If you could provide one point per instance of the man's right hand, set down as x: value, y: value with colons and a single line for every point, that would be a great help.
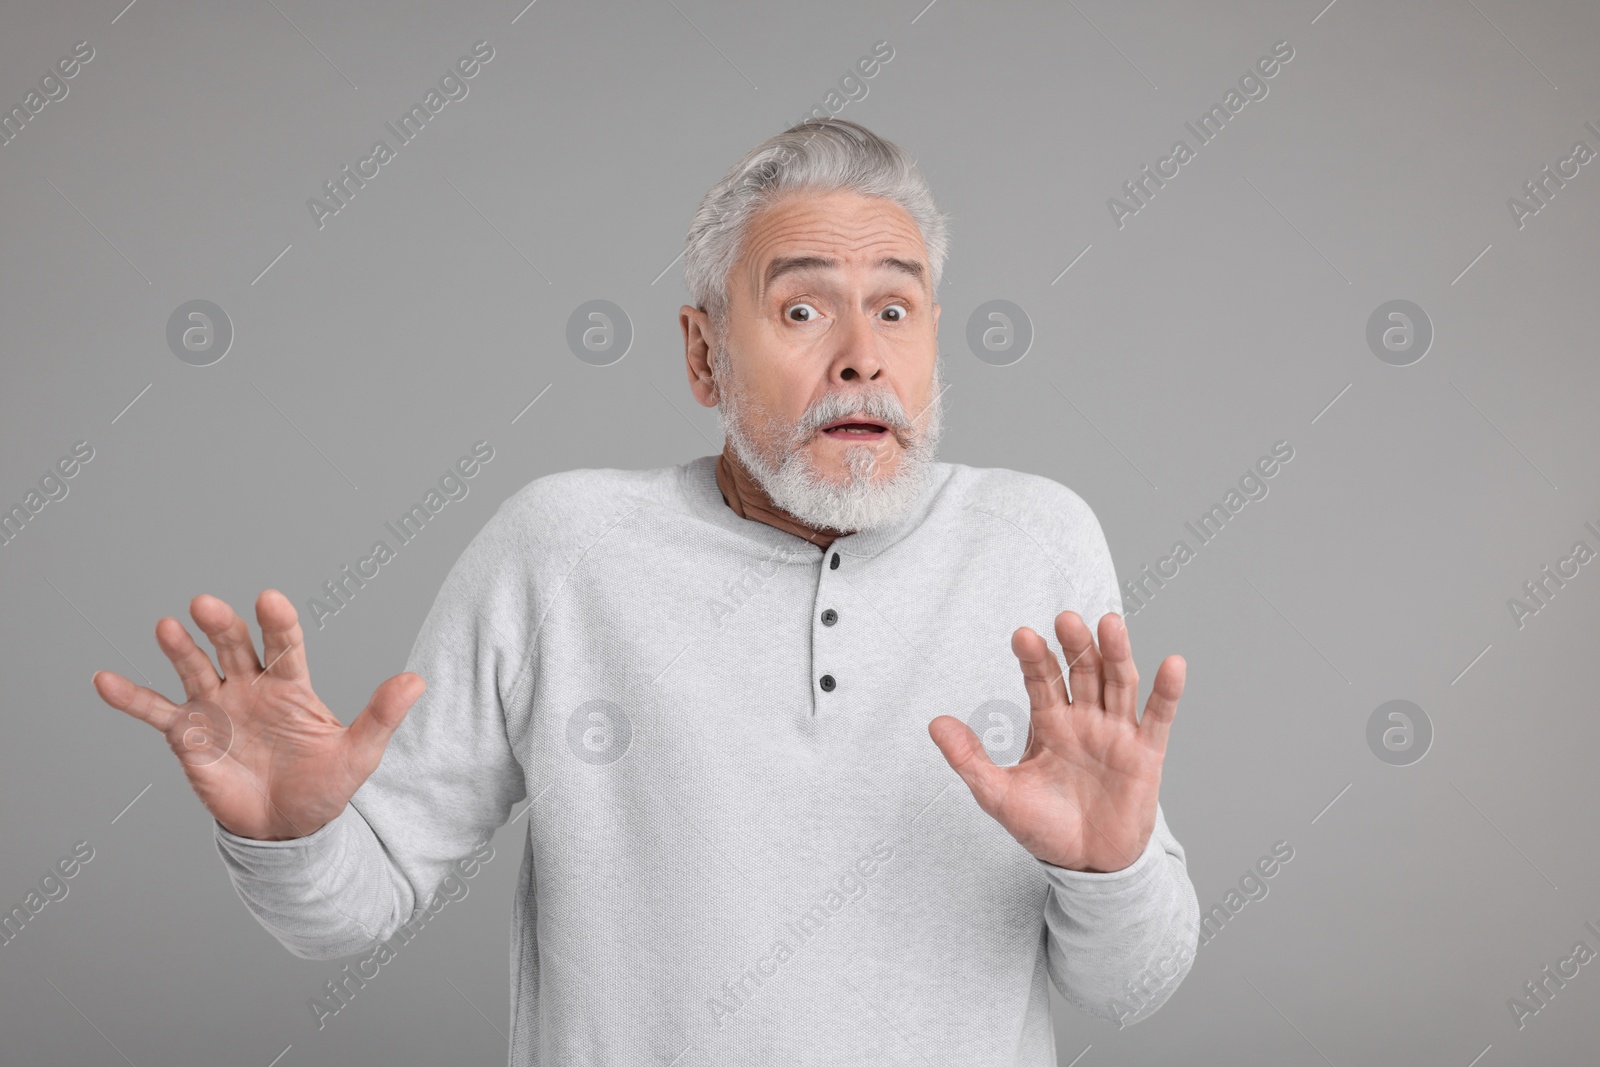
x: 265, y: 756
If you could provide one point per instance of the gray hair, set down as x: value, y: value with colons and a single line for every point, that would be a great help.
x: 822, y: 154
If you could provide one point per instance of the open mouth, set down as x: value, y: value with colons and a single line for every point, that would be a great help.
x: 855, y: 430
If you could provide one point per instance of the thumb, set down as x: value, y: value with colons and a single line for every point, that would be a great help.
x: 369, y: 735
x: 967, y: 757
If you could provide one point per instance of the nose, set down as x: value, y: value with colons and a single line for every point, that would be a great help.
x: 855, y: 358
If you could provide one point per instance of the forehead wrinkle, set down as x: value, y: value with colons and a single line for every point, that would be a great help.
x: 811, y: 235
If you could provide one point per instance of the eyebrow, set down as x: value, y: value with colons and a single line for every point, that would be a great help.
x: 794, y: 264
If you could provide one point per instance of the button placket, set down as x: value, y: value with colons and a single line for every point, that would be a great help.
x: 826, y: 681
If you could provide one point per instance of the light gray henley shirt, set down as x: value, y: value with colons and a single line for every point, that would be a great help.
x: 742, y: 845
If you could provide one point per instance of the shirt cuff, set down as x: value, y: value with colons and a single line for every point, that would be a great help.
x: 321, y: 836
x: 1094, y: 882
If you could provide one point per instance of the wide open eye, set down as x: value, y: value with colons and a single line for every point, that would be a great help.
x: 810, y: 315
x: 901, y: 312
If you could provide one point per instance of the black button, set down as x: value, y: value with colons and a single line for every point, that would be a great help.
x: 827, y: 683
x: 834, y: 564
x: 830, y: 617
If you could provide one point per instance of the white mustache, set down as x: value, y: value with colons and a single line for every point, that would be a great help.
x: 884, y: 408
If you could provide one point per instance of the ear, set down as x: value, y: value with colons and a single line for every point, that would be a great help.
x: 696, y: 326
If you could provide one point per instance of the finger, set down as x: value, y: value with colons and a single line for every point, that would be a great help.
x: 230, y: 635
x: 143, y: 704
x: 200, y: 678
x: 282, y: 641
x: 369, y: 734
x: 966, y: 756
x: 1083, y: 659
x: 1162, y: 706
x: 1041, y: 671
x: 1120, y: 680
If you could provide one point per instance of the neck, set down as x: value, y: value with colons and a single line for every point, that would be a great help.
x: 749, y: 501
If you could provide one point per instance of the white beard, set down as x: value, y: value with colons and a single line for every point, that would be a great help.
x: 789, y: 477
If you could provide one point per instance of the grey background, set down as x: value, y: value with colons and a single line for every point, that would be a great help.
x: 1230, y: 313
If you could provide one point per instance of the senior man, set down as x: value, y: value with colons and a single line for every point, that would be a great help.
x: 714, y: 683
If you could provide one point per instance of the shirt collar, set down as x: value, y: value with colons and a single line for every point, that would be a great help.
x: 705, y: 497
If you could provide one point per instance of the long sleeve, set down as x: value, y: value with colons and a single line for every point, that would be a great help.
x: 1119, y: 943
x: 447, y: 780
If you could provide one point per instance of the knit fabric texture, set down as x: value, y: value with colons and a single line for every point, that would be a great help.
x: 742, y: 847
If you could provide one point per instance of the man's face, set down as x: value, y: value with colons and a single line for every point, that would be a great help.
x: 827, y: 369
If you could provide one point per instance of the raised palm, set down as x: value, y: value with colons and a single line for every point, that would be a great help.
x: 263, y: 753
x: 1083, y: 795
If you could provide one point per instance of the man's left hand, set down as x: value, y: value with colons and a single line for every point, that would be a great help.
x: 1083, y: 795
